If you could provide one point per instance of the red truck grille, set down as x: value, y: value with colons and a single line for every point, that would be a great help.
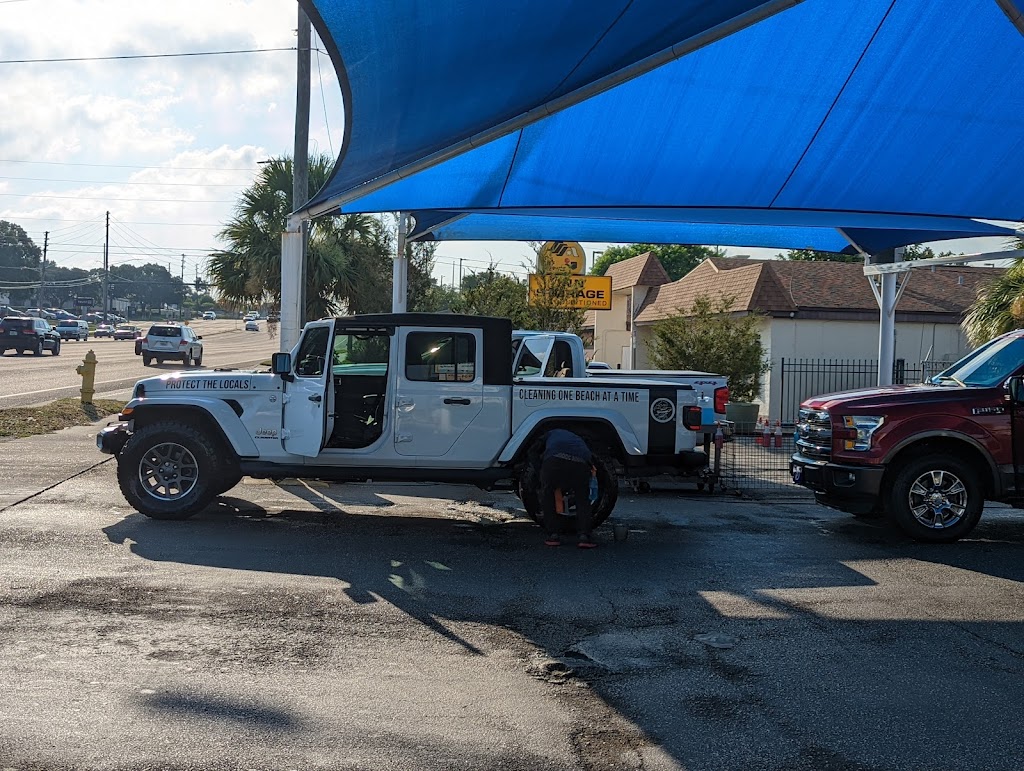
x: 814, y: 434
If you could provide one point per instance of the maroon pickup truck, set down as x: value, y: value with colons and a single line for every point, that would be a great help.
x: 928, y: 455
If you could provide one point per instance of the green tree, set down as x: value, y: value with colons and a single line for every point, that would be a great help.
x: 677, y: 259
x: 345, y: 257
x: 708, y: 337
x: 911, y: 252
x: 19, y: 263
x: 491, y: 293
x: 1000, y: 304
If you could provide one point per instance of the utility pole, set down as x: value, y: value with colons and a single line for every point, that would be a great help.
x: 460, y: 274
x: 42, y: 271
x: 181, y: 305
x: 300, y: 157
x: 106, y: 271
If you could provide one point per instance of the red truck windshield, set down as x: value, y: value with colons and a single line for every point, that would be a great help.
x: 988, y: 366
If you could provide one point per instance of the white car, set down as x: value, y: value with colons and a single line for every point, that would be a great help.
x: 172, y: 341
x: 592, y: 365
x: 209, y: 316
x: 252, y: 326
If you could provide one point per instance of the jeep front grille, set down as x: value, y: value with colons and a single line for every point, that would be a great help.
x: 814, y: 434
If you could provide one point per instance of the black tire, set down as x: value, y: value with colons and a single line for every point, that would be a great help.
x: 198, y: 361
x: 38, y: 350
x: 186, y: 452
x: 956, y: 489
x: 607, y: 487
x: 186, y: 360
x: 55, y: 351
x: 146, y: 359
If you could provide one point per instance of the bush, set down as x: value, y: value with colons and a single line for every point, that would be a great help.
x: 709, y: 338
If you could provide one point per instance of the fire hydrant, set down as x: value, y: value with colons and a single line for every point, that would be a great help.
x: 87, y: 369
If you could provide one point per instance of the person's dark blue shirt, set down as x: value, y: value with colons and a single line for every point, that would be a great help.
x: 562, y: 442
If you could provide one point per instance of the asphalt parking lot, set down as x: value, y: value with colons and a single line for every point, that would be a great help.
x: 307, y: 626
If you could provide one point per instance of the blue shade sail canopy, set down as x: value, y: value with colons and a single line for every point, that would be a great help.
x: 851, y: 110
x: 423, y: 78
x: 791, y: 230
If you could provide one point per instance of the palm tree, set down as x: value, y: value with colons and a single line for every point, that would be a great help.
x: 344, y: 262
x: 1000, y: 304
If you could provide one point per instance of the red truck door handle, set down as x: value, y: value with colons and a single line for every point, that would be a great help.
x: 458, y: 400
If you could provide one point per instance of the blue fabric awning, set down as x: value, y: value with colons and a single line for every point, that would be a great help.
x: 820, y: 231
x: 852, y: 110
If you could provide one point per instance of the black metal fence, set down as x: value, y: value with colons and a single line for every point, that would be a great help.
x: 800, y: 379
x: 757, y: 464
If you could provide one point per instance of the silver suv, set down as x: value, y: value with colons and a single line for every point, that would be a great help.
x: 172, y: 341
x: 73, y: 329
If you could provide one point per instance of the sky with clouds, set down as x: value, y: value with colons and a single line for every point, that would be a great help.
x: 165, y: 145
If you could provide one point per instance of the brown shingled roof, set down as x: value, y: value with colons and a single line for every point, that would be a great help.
x: 643, y: 270
x: 783, y: 286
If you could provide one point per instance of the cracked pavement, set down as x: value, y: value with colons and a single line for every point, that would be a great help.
x: 313, y: 626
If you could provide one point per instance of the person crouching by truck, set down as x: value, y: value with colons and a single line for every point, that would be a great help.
x: 566, y: 465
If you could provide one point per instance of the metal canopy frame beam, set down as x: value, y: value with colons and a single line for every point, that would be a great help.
x: 902, y: 267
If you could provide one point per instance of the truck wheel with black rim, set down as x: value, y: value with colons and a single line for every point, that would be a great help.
x: 936, y: 498
x: 38, y: 350
x: 168, y: 470
x: 146, y: 359
x: 55, y: 351
x: 529, y: 491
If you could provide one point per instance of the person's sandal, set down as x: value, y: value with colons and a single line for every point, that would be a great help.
x: 552, y: 541
x: 586, y: 542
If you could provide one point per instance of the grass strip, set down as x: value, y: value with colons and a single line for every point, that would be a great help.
x: 19, y: 422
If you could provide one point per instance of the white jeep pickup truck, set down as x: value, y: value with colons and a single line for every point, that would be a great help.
x: 413, y: 396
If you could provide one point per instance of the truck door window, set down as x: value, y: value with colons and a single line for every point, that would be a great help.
x: 560, y: 362
x: 312, y: 356
x: 531, y: 359
x: 437, y: 357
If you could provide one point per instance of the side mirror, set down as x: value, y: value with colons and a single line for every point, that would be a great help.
x: 281, y: 364
x: 199, y: 337
x: 1015, y: 385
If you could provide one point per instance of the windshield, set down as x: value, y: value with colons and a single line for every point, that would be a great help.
x: 988, y: 366
x: 164, y: 332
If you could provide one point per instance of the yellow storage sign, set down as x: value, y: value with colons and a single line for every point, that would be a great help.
x: 566, y: 256
x: 592, y: 293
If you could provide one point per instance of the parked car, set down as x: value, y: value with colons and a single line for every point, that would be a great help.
x: 252, y: 326
x: 592, y: 365
x: 26, y: 333
x: 104, y: 330
x: 171, y: 341
x: 209, y: 315
x: 127, y: 332
x: 35, y: 312
x: 73, y: 329
x: 62, y: 315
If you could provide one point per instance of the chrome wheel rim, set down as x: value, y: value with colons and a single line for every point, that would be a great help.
x: 938, y: 499
x: 168, y: 471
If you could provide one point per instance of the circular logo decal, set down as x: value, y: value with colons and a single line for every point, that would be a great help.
x: 663, y: 410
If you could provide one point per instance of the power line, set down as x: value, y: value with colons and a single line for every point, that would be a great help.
x: 126, y: 166
x: 125, y: 57
x: 114, y: 182
x: 104, y: 198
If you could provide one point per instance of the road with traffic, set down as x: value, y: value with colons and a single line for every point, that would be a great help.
x: 27, y: 380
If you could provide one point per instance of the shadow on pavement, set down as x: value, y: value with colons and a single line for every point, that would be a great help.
x: 773, y: 637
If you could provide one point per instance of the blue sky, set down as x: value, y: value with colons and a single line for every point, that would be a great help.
x: 166, y: 144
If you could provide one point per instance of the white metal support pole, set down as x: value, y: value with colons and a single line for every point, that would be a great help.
x: 400, y: 269
x: 887, y: 323
x: 291, y: 283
